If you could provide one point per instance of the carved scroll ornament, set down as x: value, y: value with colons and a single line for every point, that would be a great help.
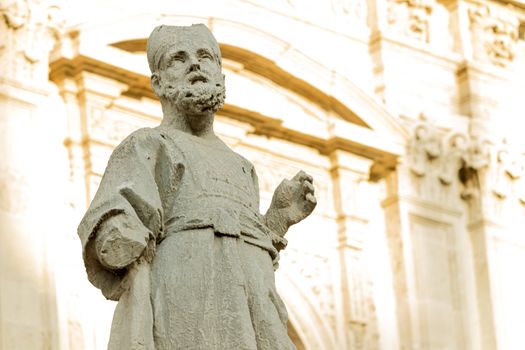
x: 494, y: 35
x: 411, y: 17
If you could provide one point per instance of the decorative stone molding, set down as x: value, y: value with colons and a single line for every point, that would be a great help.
x: 411, y: 18
x: 475, y: 157
x: 495, y: 169
x: 363, y: 323
x: 454, y: 145
x: 508, y: 168
x: 29, y: 29
x: 371, y: 337
x: 435, y: 152
x: 479, y: 166
x: 424, y: 147
x: 350, y: 8
x: 15, y: 13
x: 494, y: 34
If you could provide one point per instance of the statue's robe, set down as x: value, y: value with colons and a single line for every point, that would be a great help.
x: 211, y: 282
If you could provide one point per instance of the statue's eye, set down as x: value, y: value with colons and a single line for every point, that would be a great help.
x: 176, y: 59
x: 203, y: 55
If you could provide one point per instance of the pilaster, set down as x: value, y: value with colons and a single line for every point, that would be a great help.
x: 490, y: 81
x: 492, y: 177
x: 87, y: 98
x: 358, y: 327
x: 429, y: 245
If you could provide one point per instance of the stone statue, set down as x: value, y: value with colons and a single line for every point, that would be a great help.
x: 174, y: 232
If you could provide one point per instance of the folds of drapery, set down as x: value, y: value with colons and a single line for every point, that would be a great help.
x: 139, y: 184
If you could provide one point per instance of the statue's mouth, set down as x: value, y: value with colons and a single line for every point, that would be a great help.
x: 197, y: 78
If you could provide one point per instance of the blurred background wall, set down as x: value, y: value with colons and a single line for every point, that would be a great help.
x: 408, y: 113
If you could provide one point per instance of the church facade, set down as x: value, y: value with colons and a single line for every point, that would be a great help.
x: 408, y: 114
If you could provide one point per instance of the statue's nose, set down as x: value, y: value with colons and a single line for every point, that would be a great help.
x: 194, y: 66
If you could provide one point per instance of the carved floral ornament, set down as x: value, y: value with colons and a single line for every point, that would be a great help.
x: 508, y: 173
x: 494, y: 35
x: 14, y: 12
x: 33, y: 15
x: 29, y: 28
x: 480, y: 165
x: 429, y: 153
x: 411, y: 17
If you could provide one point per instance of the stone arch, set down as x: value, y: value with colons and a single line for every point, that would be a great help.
x: 265, y: 54
x: 309, y: 325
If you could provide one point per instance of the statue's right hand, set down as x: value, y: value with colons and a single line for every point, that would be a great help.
x: 120, y: 241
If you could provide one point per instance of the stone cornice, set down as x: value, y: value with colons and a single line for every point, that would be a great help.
x: 384, y: 148
x: 363, y: 141
x: 520, y: 4
x: 448, y: 59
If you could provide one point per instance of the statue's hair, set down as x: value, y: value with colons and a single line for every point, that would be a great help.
x: 164, y: 36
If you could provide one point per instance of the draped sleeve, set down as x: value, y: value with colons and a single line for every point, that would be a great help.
x: 139, y: 185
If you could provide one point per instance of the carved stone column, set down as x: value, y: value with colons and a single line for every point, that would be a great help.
x: 350, y: 181
x: 489, y: 87
x: 492, y: 175
x: 433, y: 281
x: 88, y: 97
x: 454, y: 216
x: 30, y: 145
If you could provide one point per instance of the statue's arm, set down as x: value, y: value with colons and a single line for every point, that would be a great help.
x: 125, y: 219
x: 293, y: 200
x: 120, y: 240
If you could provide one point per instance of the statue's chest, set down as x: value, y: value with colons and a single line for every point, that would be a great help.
x: 218, y: 171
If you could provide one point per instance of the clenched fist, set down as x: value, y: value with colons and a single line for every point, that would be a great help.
x: 292, y: 201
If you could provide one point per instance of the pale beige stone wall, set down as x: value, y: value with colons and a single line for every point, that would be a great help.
x: 406, y: 112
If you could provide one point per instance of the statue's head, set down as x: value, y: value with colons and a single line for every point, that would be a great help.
x: 185, y: 63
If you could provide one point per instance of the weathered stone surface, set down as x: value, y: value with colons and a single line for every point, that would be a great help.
x: 174, y: 232
x: 332, y: 87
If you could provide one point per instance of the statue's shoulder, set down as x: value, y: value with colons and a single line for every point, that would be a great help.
x: 142, y: 140
x: 144, y: 137
x: 245, y: 161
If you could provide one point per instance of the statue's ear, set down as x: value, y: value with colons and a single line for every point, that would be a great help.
x: 156, y: 84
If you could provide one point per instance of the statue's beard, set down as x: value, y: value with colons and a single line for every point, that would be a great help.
x: 200, y: 98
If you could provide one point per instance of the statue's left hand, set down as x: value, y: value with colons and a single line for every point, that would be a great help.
x: 292, y: 201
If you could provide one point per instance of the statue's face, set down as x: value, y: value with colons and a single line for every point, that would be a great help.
x: 190, y: 76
